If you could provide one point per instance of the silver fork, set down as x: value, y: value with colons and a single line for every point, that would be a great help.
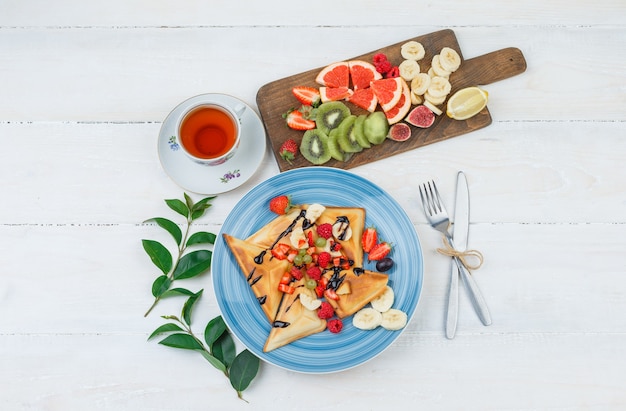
x: 438, y: 218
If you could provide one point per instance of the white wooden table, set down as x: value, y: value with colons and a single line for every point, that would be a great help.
x: 84, y: 88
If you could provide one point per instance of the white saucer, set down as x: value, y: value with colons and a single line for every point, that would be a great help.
x: 218, y: 179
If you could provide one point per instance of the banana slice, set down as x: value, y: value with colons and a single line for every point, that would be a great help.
x: 309, y: 302
x: 393, y: 319
x: 438, y: 68
x: 383, y: 302
x: 314, y: 211
x: 298, y: 239
x: 434, y: 100
x: 416, y: 99
x: 439, y: 87
x: 420, y: 84
x: 449, y: 59
x: 412, y: 50
x: 433, y: 107
x: 367, y: 319
x: 342, y: 231
x: 409, y: 69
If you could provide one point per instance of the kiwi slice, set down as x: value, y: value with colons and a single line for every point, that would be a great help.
x: 376, y: 127
x: 357, y: 130
x: 333, y: 145
x: 330, y: 114
x: 314, y: 146
x: 347, y: 140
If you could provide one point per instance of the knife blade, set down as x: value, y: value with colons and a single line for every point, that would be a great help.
x: 460, y: 232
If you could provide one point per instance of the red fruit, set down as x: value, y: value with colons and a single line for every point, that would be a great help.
x: 379, y: 251
x: 280, y: 204
x: 369, y: 239
x: 334, y: 93
x: 296, y: 273
x: 309, y: 96
x: 335, y: 325
x: 335, y: 75
x: 393, y: 72
x: 288, y: 150
x: 286, y: 278
x: 379, y: 57
x: 280, y: 251
x: 331, y: 294
x: 297, y: 121
x: 383, y: 66
x: 325, y: 230
x: 421, y: 116
x: 325, y: 311
x: 286, y: 288
x: 399, y: 132
x: 314, y: 273
x: 323, y: 259
x: 319, y: 290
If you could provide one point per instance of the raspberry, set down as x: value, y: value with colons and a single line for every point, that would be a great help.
x: 383, y: 67
x: 393, y: 72
x: 314, y: 273
x: 296, y: 273
x: 326, y: 311
x: 335, y: 325
x: 323, y: 259
x: 379, y: 58
x: 325, y: 230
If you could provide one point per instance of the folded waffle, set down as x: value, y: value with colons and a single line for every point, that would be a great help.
x: 293, y: 321
x: 262, y: 278
x: 352, y: 247
x: 267, y: 235
x: 359, y: 290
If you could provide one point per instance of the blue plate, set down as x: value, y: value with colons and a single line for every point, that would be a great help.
x: 323, y: 352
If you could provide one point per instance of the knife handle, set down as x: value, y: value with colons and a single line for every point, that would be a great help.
x: 479, y: 303
x: 452, y: 314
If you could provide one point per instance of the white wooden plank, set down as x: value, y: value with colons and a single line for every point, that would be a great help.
x: 140, y: 74
x: 325, y: 12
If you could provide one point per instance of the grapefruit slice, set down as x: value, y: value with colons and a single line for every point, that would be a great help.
x: 364, y: 98
x: 334, y: 93
x: 335, y: 75
x: 362, y: 74
x: 388, y: 91
x: 401, y: 109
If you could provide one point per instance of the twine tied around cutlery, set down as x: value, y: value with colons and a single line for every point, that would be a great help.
x: 461, y: 255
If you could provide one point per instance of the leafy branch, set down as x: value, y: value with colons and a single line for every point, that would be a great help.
x: 186, y: 265
x: 219, y: 350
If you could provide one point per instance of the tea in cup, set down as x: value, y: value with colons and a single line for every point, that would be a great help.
x: 209, y: 133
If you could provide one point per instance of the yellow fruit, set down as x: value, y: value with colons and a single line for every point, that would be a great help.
x: 466, y: 103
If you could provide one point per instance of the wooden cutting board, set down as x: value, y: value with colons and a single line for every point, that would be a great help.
x: 275, y: 98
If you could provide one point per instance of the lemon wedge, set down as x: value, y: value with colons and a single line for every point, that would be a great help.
x: 466, y: 103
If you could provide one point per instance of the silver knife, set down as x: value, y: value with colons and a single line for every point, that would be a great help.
x: 460, y: 231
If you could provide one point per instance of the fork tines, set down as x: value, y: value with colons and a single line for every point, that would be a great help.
x: 430, y: 198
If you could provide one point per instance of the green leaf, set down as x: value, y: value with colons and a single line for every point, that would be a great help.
x: 224, y: 349
x: 188, y: 201
x: 178, y: 206
x: 201, y: 237
x: 188, y: 307
x: 243, y: 370
x: 170, y: 226
x: 180, y: 340
x: 214, y: 330
x: 200, y: 207
x: 165, y: 328
x: 160, y: 285
x: 177, y: 291
x: 159, y: 255
x: 193, y: 264
x: 214, y: 361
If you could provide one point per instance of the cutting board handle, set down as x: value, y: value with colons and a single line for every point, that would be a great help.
x: 491, y: 67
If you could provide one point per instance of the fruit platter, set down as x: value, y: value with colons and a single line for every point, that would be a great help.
x: 394, y: 99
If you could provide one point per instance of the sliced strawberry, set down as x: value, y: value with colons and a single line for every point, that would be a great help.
x: 286, y: 288
x: 369, y: 239
x: 309, y: 96
x: 296, y: 120
x: 379, y: 251
x: 319, y: 290
x: 280, y: 251
x: 286, y: 278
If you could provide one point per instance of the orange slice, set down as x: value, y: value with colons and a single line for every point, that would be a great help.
x: 335, y: 75
x: 334, y: 93
x: 388, y: 91
x: 401, y: 109
x: 364, y: 98
x: 362, y: 74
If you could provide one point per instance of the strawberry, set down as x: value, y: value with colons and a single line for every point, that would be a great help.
x: 379, y: 251
x: 288, y: 150
x: 280, y: 251
x: 280, y: 204
x: 297, y: 121
x: 369, y: 239
x: 306, y: 95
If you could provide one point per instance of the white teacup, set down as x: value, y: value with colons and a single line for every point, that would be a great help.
x: 209, y: 132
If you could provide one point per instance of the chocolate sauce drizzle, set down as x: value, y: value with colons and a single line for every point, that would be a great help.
x: 305, y: 224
